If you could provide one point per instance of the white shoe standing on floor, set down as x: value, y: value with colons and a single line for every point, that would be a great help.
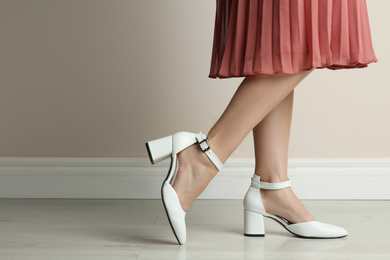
x: 169, y: 146
x: 254, y: 212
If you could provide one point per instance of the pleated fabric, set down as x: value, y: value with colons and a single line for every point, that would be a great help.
x: 289, y: 36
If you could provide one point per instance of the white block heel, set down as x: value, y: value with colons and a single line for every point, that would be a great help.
x: 254, y: 207
x: 159, y: 149
x: 168, y: 147
x: 253, y: 224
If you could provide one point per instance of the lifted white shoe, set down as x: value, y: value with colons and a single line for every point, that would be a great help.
x: 168, y: 147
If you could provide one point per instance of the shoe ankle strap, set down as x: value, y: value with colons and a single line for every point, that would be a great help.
x: 268, y: 185
x: 204, y: 146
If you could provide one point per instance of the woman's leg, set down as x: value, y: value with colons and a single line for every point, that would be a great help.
x: 256, y: 96
x: 271, y: 138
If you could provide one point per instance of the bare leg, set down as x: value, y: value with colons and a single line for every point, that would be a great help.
x: 271, y: 137
x: 256, y: 96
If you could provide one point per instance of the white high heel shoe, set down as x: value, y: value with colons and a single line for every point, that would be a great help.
x: 254, y: 212
x: 169, y: 146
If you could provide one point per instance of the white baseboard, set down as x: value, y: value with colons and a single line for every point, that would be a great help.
x: 136, y: 178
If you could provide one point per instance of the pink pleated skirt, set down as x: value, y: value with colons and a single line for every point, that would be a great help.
x: 289, y: 36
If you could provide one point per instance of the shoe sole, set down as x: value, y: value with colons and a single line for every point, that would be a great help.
x: 250, y: 235
x: 149, y: 153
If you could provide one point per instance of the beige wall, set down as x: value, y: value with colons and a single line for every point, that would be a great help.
x: 100, y: 78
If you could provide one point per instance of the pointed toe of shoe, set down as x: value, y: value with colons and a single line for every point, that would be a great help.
x: 339, y: 232
x: 315, y: 229
x: 179, y: 228
x: 176, y: 215
x: 181, y: 238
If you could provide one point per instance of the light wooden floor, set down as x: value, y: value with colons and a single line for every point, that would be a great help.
x: 138, y: 229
